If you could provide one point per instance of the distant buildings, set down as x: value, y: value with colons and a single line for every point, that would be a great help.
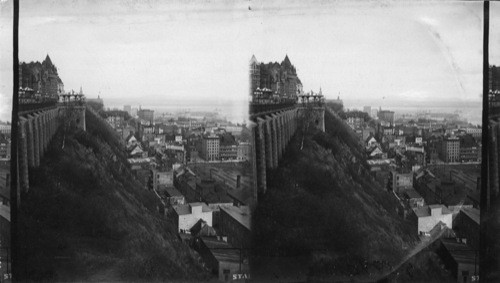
x: 164, y: 178
x: 387, y: 116
x: 97, y: 100
x: 337, y: 101
x: 5, y: 128
x: 400, y: 182
x: 368, y: 110
x: 470, y: 151
x: 5, y: 183
x: 355, y: 122
x: 243, y: 152
x: 173, y: 196
x: 146, y: 114
x: 228, y: 149
x: 127, y: 108
x: 450, y: 149
x: 413, y: 198
x: 474, y: 132
x: 5, y: 144
x: 210, y: 146
x: 223, y: 147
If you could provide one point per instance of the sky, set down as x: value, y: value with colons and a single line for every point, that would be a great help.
x: 494, y: 41
x: 196, y: 53
x: 6, y: 54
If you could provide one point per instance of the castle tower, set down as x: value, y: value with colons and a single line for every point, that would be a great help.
x: 254, y: 74
x: 311, y: 109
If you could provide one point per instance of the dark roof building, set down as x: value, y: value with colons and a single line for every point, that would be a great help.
x: 460, y: 259
x: 281, y: 78
x: 41, y: 77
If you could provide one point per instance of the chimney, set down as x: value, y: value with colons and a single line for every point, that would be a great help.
x: 238, y: 181
x: 196, y: 208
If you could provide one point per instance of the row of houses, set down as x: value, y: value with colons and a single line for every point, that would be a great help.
x: 215, y: 227
x: 212, y: 219
x: 437, y: 207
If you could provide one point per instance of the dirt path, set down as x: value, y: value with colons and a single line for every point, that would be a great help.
x: 418, y: 248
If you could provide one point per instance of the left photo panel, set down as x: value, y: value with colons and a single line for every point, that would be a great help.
x: 134, y: 141
x: 6, y: 79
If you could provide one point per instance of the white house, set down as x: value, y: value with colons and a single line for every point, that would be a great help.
x: 430, y: 215
x: 186, y: 215
x: 371, y: 141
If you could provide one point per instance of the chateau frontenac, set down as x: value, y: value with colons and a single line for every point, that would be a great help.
x: 41, y: 77
x: 281, y: 79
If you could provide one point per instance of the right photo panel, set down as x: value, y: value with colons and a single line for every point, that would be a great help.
x: 490, y: 222
x: 367, y: 142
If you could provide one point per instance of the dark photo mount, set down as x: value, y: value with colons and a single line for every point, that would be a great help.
x: 324, y: 185
x: 490, y: 197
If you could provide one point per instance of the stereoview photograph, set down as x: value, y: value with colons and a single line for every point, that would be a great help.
x: 248, y: 141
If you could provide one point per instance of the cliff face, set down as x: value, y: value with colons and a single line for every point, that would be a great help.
x: 322, y: 203
x: 87, y: 218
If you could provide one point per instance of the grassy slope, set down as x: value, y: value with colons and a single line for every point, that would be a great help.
x: 322, y: 202
x: 87, y: 218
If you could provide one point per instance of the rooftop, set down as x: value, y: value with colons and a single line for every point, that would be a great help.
x: 425, y: 211
x: 212, y: 191
x: 460, y: 252
x: 221, y: 250
x: 172, y: 192
x: 243, y: 196
x: 185, y: 209
x: 412, y: 193
x: 473, y: 213
x: 241, y: 214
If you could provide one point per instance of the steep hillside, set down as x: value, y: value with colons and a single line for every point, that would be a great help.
x: 322, y: 203
x: 87, y: 218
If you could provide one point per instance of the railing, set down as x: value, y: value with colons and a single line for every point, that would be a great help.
x: 27, y: 108
x: 72, y: 103
x: 257, y: 109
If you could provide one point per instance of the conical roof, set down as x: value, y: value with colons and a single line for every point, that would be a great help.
x: 287, y: 62
x: 254, y: 60
x: 47, y: 60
